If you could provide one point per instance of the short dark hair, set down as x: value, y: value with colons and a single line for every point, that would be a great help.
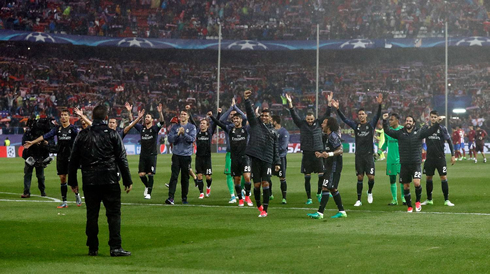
x: 411, y: 116
x: 332, y: 124
x: 100, y: 112
x: 276, y: 118
x: 237, y: 115
x: 395, y: 115
x: 361, y: 109
x: 310, y: 113
x: 266, y: 110
x: 65, y: 110
x: 434, y: 112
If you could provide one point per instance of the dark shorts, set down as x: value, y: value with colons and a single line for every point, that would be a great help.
x: 62, y: 164
x: 148, y: 164
x: 409, y: 172
x: 203, y: 165
x: 261, y: 171
x: 240, y: 165
x: 479, y: 147
x: 331, y: 179
x: 365, y: 165
x: 282, y: 172
x: 431, y: 165
x: 310, y: 163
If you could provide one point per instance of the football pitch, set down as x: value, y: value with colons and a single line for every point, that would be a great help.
x: 212, y: 236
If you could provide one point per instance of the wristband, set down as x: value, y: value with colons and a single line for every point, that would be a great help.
x: 330, y: 154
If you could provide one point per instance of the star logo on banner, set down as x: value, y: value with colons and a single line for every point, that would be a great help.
x: 357, y: 43
x: 474, y: 41
x: 135, y: 42
x: 39, y: 37
x: 246, y: 44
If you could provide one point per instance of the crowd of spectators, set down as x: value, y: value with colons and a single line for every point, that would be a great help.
x: 245, y: 19
x: 44, y: 84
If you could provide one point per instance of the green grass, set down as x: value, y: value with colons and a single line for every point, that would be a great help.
x: 217, y: 237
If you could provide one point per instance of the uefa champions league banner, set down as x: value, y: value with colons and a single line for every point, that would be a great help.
x: 238, y: 45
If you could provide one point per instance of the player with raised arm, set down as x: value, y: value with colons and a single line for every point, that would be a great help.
x: 436, y: 159
x: 311, y: 142
x: 148, y: 156
x: 364, y: 134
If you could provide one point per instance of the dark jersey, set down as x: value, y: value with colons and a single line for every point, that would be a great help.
x: 203, y: 142
x: 480, y: 136
x: 435, y: 143
x: 149, y: 138
x: 66, y: 137
x: 238, y: 141
x: 364, y: 133
x: 121, y: 133
x: 332, y: 143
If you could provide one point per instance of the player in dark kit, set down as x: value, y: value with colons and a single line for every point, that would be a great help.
x: 66, y: 134
x: 333, y: 167
x: 263, y: 152
x: 283, y: 141
x: 436, y: 159
x: 240, y: 162
x: 204, y: 138
x: 481, y: 135
x: 410, y: 144
x: 148, y: 154
x: 364, y: 134
x: 311, y: 142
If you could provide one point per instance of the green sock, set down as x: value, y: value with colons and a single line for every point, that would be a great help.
x: 393, y: 187
x: 243, y: 183
x: 231, y: 185
x: 401, y: 193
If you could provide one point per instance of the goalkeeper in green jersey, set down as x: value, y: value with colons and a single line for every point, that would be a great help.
x: 393, y: 159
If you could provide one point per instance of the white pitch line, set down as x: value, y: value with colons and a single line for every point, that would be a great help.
x: 32, y: 195
x: 273, y: 208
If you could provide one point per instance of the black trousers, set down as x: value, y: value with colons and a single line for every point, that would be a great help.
x: 28, y: 177
x: 110, y: 195
x: 180, y: 164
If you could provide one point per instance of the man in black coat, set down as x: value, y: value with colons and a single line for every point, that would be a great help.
x: 100, y: 152
x: 263, y: 151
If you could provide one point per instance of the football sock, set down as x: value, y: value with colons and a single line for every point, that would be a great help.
x: 150, y: 183
x: 238, y: 189
x: 393, y: 187
x: 209, y: 182
x: 320, y: 182
x: 200, y: 185
x: 230, y: 184
x: 445, y: 190
x: 401, y: 191
x: 418, y: 193
x: 64, y: 189
x: 408, y: 197
x: 284, y: 188
x: 371, y: 185
x: 308, y: 186
x: 267, y: 194
x: 430, y: 186
x: 248, y: 186
x: 324, y: 200
x: 257, y: 196
x: 144, y: 180
x: 338, y: 200
x: 359, y: 190
x: 270, y: 185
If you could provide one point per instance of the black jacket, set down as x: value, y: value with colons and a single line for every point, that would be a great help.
x: 99, y: 151
x: 310, y: 136
x: 410, y: 144
x: 263, y: 142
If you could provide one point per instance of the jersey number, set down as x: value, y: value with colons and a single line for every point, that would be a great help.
x: 417, y: 175
x: 247, y: 169
x: 325, y: 182
x: 269, y: 171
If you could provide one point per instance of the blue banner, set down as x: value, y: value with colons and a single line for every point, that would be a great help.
x: 99, y: 41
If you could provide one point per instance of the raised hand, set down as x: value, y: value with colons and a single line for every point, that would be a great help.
x: 247, y: 93
x: 233, y: 102
x: 220, y: 110
x: 379, y: 98
x: 78, y: 111
x: 330, y: 96
x: 187, y: 107
x: 128, y: 106
x: 335, y: 103
x: 160, y: 107
x: 385, y: 116
x: 290, y: 100
x: 210, y: 113
x: 141, y: 113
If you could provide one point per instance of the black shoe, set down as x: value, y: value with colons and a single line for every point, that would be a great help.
x: 43, y: 194
x: 93, y: 252
x: 25, y: 196
x: 120, y: 252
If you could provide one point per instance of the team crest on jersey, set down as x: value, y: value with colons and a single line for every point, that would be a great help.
x: 69, y: 131
x: 187, y: 130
